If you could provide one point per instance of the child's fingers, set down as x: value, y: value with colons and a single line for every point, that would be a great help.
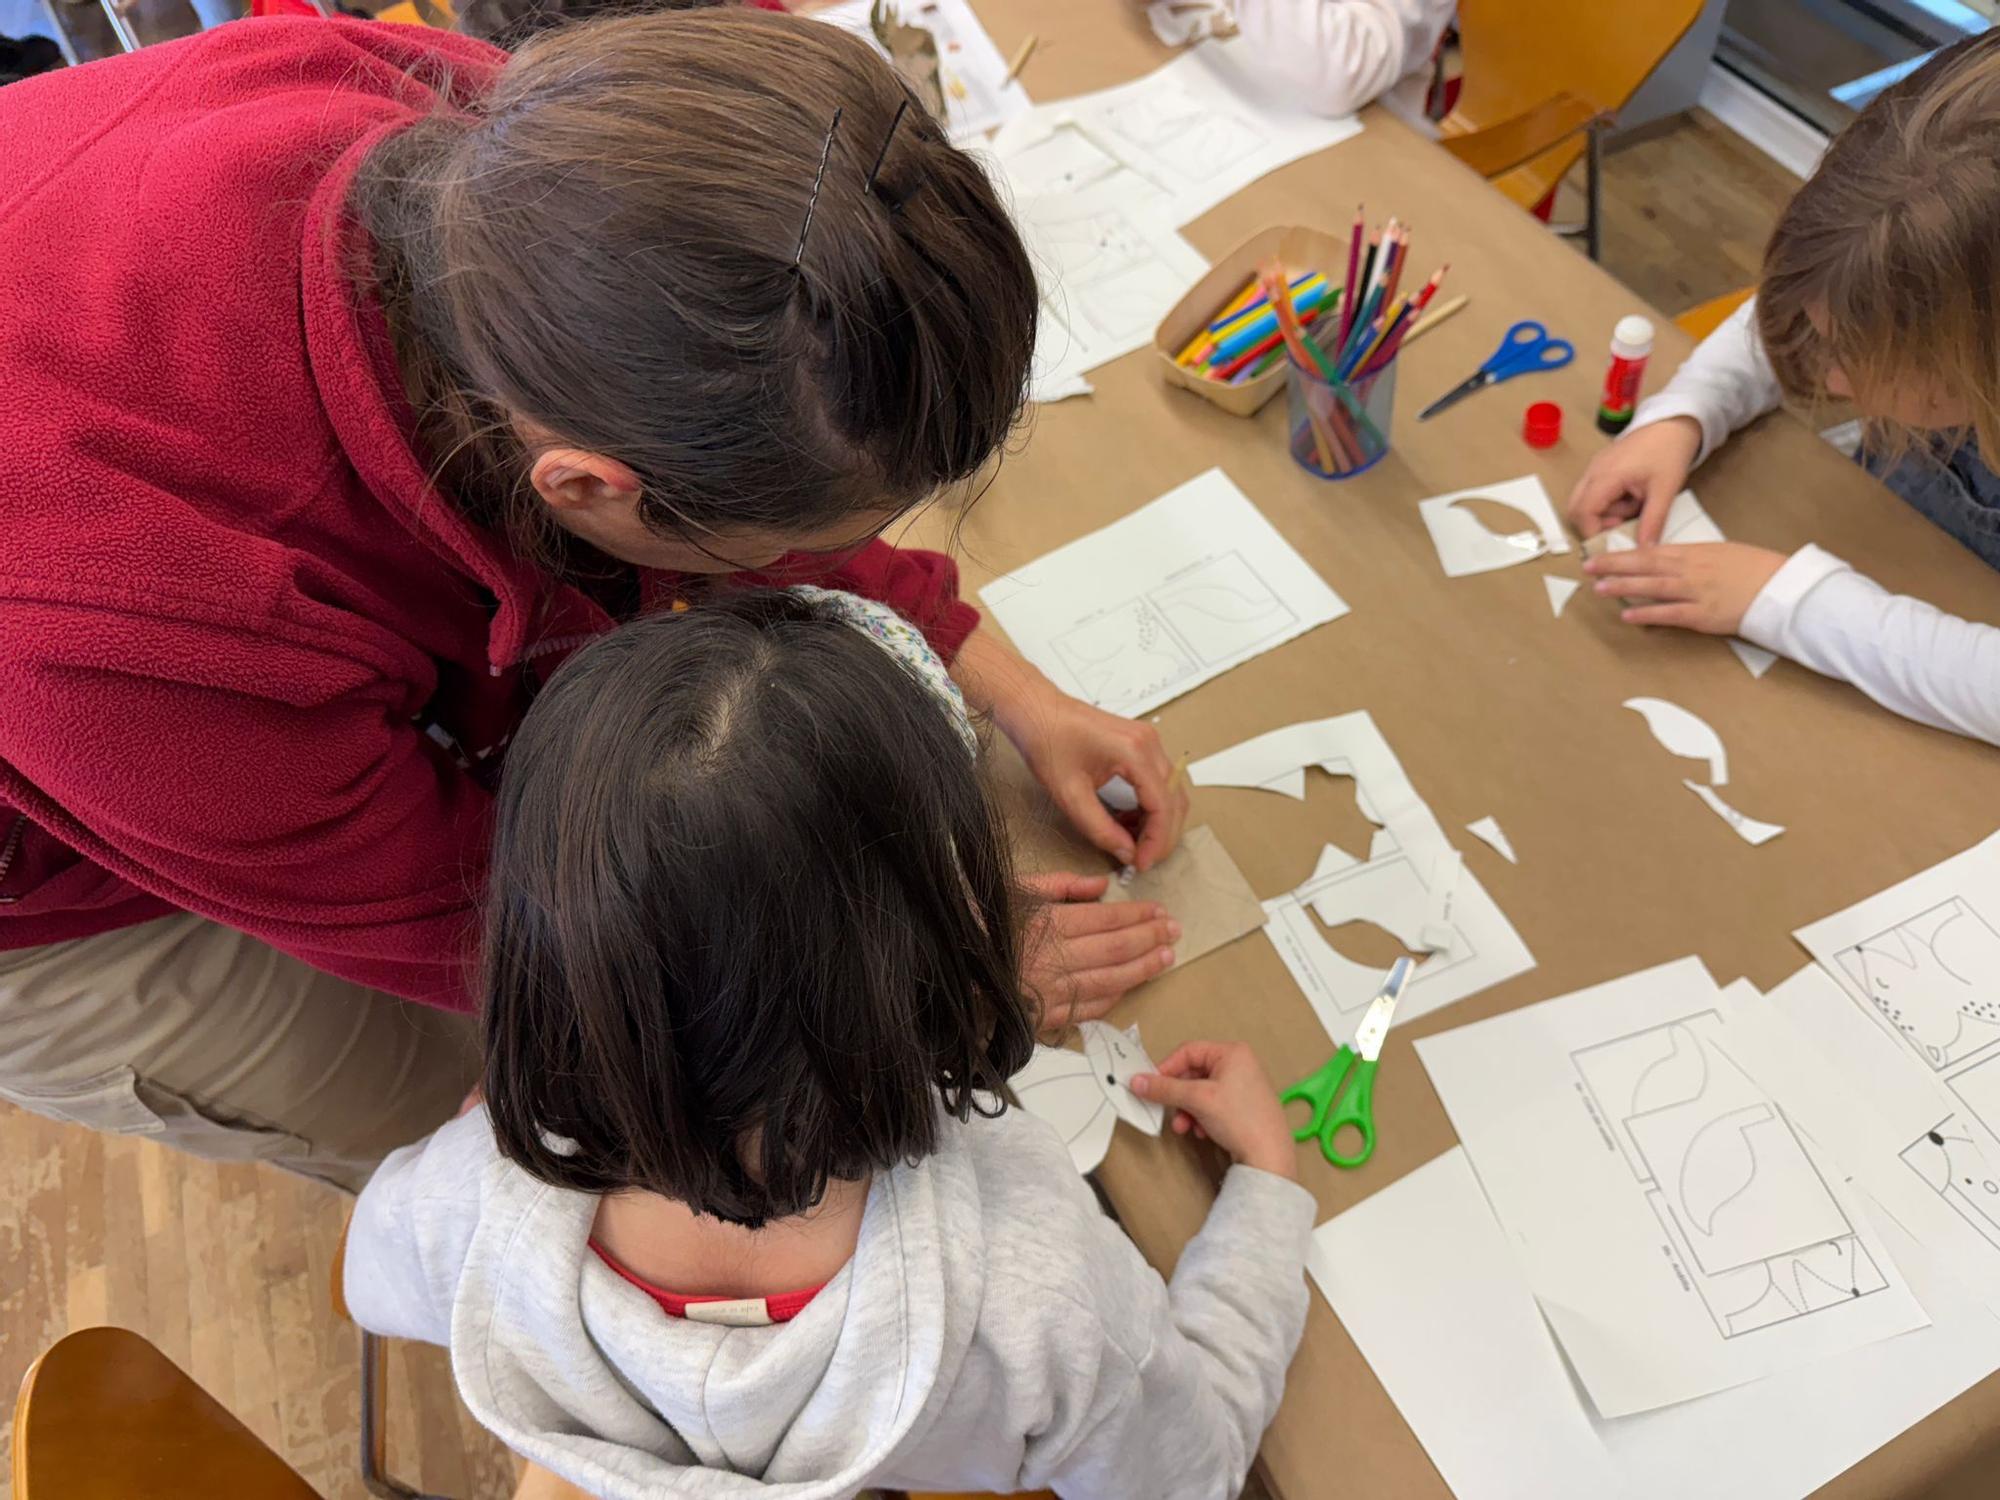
x: 1639, y: 561
x: 1686, y: 615
x: 1081, y: 919
x: 1063, y: 885
x: 1162, y: 830
x: 1108, y: 950
x: 1663, y: 586
x: 1189, y: 1094
x: 1660, y: 492
x: 1190, y: 1059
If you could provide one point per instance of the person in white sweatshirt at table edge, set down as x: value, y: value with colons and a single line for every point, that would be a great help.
x: 1341, y: 54
x: 1878, y: 287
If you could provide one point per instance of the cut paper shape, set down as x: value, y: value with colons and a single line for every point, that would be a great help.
x: 1464, y: 544
x: 1560, y: 590
x: 1488, y: 832
x: 1748, y: 829
x: 1687, y: 522
x: 1119, y: 795
x: 1202, y: 889
x: 1084, y: 1094
x: 1682, y: 733
x: 1412, y: 885
x: 1162, y: 600
x: 1116, y: 1058
x: 1756, y: 660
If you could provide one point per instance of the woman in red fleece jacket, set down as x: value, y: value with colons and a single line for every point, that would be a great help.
x: 351, y: 375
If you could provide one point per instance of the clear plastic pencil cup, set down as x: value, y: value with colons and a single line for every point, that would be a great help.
x: 1336, y: 429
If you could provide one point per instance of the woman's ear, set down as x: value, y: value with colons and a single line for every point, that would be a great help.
x: 575, y: 481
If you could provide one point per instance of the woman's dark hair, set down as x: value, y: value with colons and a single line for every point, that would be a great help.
x: 607, y: 244
x: 751, y: 923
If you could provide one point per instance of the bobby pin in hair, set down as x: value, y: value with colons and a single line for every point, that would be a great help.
x: 819, y: 179
x: 883, y: 155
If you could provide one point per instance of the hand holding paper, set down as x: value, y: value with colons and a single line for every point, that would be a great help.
x: 1083, y: 953
x: 1220, y: 1092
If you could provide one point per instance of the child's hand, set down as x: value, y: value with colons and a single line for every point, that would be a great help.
x: 1706, y: 586
x: 1638, y: 475
x: 1220, y: 1091
x: 1081, y: 954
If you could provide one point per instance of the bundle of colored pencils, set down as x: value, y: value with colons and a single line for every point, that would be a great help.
x: 1375, y: 321
x: 1242, y: 341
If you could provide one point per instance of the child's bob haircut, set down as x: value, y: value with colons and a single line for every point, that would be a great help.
x: 751, y: 922
x: 1887, y: 262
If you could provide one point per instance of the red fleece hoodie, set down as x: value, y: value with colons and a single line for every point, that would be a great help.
x: 251, y: 665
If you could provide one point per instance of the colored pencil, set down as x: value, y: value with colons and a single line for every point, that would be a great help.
x: 1431, y: 319
x: 1349, y: 302
x: 1265, y: 323
x: 1239, y: 311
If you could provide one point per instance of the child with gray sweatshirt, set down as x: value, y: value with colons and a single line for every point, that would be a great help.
x: 742, y: 1213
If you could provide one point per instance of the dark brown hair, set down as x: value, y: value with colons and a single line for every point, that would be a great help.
x: 1893, y: 245
x: 751, y: 924
x: 604, y: 244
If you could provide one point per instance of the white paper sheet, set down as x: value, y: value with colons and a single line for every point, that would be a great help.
x: 1688, y: 521
x: 1427, y: 1283
x: 1204, y: 126
x: 972, y: 75
x: 1084, y: 1094
x: 1756, y: 660
x: 1883, y: 1115
x: 1681, y: 1235
x: 1179, y: 591
x: 1465, y: 545
x: 1560, y: 589
x: 1109, y: 268
x: 1412, y: 884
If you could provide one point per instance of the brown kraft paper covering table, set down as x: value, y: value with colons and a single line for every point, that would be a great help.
x: 1493, y: 707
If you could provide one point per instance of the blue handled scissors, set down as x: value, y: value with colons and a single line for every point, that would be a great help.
x: 1526, y: 348
x: 1335, y: 1107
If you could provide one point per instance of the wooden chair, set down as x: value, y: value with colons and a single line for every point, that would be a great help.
x: 1704, y: 318
x: 103, y: 1415
x: 1543, y: 78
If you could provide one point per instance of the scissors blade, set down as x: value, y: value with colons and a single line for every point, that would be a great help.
x: 1476, y: 381
x: 1374, y: 1027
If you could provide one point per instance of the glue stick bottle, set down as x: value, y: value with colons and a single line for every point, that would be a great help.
x: 1631, y: 346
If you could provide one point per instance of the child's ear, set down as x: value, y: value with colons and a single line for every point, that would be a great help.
x: 572, y: 479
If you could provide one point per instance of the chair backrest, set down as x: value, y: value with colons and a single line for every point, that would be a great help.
x: 103, y: 1415
x: 1516, y: 54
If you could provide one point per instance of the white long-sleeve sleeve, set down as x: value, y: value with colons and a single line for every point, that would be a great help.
x: 1905, y: 654
x: 1340, y: 54
x: 1725, y: 384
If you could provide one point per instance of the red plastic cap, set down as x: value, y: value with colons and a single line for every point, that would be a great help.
x: 1544, y: 425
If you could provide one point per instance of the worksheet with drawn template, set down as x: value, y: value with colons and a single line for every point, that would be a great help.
x: 1159, y: 602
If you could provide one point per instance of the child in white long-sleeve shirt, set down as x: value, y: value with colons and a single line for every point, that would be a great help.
x: 1880, y: 286
x: 741, y: 1214
x: 1337, y: 55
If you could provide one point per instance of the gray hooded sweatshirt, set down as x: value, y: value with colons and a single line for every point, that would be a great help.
x: 994, y: 1331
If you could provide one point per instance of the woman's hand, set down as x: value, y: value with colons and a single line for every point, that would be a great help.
x: 1081, y: 955
x: 1638, y: 475
x: 1074, y: 748
x: 1220, y: 1091
x: 1705, y: 586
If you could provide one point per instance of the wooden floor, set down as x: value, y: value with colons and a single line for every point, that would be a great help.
x: 226, y: 1268
x: 1687, y: 208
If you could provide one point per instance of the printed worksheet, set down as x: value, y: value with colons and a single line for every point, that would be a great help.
x: 1413, y: 884
x: 1108, y: 267
x: 970, y: 73
x: 1682, y: 1234
x: 1179, y: 591
x: 1198, y: 130
x: 1433, y: 1293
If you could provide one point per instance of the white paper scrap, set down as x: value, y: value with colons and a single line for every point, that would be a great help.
x: 1560, y: 589
x: 1198, y: 582
x: 1428, y: 1285
x: 1756, y: 660
x: 1682, y: 1236
x: 1117, y: 1057
x: 1682, y: 733
x: 1464, y: 544
x: 972, y: 75
x: 1413, y: 884
x: 1747, y: 828
x: 1487, y: 831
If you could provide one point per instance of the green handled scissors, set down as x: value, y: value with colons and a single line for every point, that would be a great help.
x: 1333, y: 1107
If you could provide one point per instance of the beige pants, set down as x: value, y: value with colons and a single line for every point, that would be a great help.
x: 210, y: 1041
